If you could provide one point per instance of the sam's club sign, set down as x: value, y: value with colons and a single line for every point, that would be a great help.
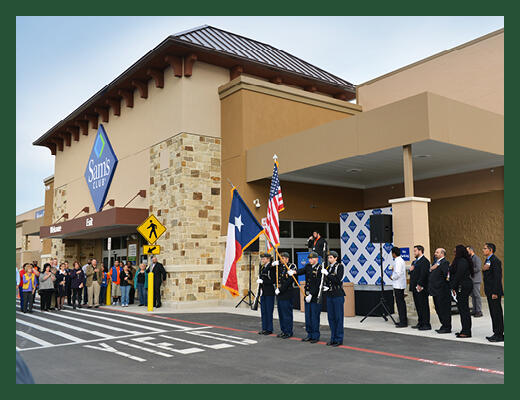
x: 100, y: 168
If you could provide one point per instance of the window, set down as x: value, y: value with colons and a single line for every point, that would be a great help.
x: 333, y: 230
x: 285, y: 229
x: 305, y: 229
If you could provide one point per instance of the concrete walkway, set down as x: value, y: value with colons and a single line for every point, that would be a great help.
x: 481, y: 327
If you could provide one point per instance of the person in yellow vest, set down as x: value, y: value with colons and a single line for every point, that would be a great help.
x: 28, y: 289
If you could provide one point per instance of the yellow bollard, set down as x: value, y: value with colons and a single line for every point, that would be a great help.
x: 150, y: 291
x: 109, y: 290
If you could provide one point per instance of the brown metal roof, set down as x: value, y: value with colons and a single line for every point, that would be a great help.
x: 206, y: 44
x: 240, y: 46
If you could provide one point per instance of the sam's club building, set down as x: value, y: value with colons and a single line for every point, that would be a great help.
x: 424, y: 143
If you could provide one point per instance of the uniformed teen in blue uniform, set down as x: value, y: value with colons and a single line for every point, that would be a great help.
x: 285, y: 294
x: 312, y: 272
x: 267, y: 282
x: 333, y: 285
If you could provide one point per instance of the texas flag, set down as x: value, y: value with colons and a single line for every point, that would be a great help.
x: 243, y: 229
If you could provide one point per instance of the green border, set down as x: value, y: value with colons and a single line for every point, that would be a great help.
x: 266, y: 7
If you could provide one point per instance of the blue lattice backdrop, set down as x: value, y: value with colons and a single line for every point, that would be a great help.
x: 359, y: 256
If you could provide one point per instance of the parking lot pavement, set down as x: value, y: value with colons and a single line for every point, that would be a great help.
x: 116, y: 346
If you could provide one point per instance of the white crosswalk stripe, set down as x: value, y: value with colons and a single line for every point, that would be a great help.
x: 148, y: 321
x: 68, y: 326
x: 85, y: 321
x: 34, y: 339
x: 114, y: 320
x: 54, y: 332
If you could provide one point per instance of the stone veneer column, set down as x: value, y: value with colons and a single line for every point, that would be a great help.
x: 185, y: 196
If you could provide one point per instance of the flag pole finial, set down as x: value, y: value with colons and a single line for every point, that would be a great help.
x: 275, y: 157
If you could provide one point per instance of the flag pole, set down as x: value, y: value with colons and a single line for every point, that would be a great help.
x: 286, y: 266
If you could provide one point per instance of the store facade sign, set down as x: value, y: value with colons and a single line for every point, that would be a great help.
x: 101, y: 167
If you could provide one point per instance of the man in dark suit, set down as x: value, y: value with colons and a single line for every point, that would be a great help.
x: 492, y: 273
x: 439, y: 289
x: 419, y: 272
x: 159, y: 275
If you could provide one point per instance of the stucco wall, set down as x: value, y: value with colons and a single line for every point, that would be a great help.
x: 472, y: 73
x: 470, y: 220
x: 183, y: 105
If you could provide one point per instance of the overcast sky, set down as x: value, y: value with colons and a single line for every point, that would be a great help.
x: 62, y: 61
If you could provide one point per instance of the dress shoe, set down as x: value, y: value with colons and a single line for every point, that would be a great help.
x: 425, y: 328
x: 313, y: 341
x: 307, y: 339
x: 415, y: 326
x: 463, y: 336
x: 330, y: 343
x: 261, y: 332
x: 268, y: 332
x: 495, y: 338
x: 286, y: 336
x: 400, y: 325
x: 443, y: 330
x: 478, y: 315
x: 280, y: 335
x: 336, y: 344
x: 96, y: 306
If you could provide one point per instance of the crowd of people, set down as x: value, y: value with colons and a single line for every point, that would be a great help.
x: 449, y: 283
x: 87, y: 285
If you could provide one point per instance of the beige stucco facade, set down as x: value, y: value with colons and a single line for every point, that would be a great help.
x: 472, y: 73
x: 183, y: 105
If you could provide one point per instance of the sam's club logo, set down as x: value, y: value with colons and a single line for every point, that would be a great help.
x: 101, y: 166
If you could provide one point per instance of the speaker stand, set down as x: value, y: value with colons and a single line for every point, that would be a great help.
x: 382, y: 302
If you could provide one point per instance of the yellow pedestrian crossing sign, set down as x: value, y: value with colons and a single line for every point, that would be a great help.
x: 152, y: 249
x: 151, y: 229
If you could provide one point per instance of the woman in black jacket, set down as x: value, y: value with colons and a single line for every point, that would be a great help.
x: 461, y: 272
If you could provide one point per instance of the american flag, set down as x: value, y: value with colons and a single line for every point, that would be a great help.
x: 272, y: 228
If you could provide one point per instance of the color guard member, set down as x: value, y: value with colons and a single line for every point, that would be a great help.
x: 266, y: 280
x: 333, y: 285
x: 312, y: 272
x: 285, y: 293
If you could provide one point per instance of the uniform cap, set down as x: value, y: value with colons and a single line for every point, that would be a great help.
x: 313, y: 254
x: 267, y: 255
x: 284, y: 254
x: 333, y: 254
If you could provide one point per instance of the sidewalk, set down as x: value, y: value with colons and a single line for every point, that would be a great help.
x: 481, y: 327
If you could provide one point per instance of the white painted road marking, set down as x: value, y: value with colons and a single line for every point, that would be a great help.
x: 84, y: 321
x: 211, y: 346
x: 135, y: 346
x: 68, y: 326
x: 166, y: 345
x: 225, y: 338
x: 118, y: 320
x: 34, y: 339
x: 109, y: 349
x: 58, y: 333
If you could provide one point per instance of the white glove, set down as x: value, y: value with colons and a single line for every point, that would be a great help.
x: 324, y: 271
x: 325, y: 288
x: 291, y: 272
x: 275, y: 263
x: 308, y: 298
x: 277, y: 291
x: 259, y: 280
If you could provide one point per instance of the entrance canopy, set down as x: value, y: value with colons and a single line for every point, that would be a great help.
x: 116, y: 221
x: 366, y: 150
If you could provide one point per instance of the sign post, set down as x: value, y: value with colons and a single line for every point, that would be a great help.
x: 151, y: 229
